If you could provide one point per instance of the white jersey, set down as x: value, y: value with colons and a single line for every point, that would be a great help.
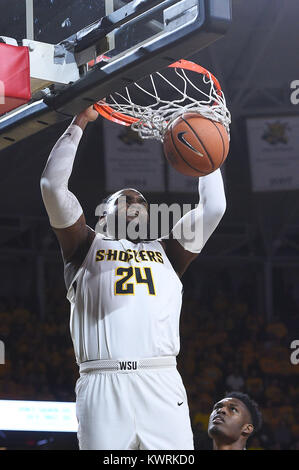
x: 125, y: 302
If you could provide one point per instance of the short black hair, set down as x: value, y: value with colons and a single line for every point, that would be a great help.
x: 252, y: 406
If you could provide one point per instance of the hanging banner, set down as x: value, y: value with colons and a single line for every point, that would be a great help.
x: 131, y: 161
x: 179, y: 183
x: 274, y: 153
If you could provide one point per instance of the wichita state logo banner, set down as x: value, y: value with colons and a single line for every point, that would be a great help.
x: 131, y: 161
x: 179, y: 183
x: 274, y: 153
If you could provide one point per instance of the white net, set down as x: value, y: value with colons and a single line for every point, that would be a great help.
x: 188, y: 95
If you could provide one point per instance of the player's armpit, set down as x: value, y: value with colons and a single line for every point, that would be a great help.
x: 192, y: 231
x: 177, y: 255
x: 75, y: 240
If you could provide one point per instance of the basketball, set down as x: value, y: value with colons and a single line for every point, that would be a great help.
x: 194, y: 145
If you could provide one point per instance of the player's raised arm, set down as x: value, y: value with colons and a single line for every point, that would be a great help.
x: 193, y: 230
x: 63, y: 208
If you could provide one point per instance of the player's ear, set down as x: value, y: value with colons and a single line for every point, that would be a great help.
x: 247, y: 430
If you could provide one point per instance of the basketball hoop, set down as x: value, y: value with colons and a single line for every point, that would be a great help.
x: 144, y: 106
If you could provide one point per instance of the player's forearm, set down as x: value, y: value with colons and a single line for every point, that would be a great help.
x: 62, y: 206
x: 212, y: 194
x: 213, y: 200
x: 81, y: 121
x: 195, y: 228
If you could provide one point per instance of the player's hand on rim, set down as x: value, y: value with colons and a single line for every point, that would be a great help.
x: 90, y: 114
x: 86, y: 116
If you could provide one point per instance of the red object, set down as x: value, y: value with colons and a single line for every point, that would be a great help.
x: 14, y: 77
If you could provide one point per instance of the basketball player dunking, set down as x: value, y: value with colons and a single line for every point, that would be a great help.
x: 126, y: 298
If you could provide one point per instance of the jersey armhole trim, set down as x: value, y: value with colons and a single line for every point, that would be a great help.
x: 159, y: 240
x: 97, y: 237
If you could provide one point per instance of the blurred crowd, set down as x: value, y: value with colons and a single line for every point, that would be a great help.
x: 225, y: 345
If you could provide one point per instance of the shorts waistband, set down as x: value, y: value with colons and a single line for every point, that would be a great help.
x: 124, y: 365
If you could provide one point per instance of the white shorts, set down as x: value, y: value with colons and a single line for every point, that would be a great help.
x: 141, y: 407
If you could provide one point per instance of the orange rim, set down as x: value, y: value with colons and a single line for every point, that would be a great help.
x: 112, y: 115
x: 187, y: 65
x: 108, y: 113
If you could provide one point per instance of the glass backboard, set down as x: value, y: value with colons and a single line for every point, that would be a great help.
x: 50, y: 20
x: 156, y: 23
x: 13, y: 19
x: 140, y: 36
x: 55, y: 20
